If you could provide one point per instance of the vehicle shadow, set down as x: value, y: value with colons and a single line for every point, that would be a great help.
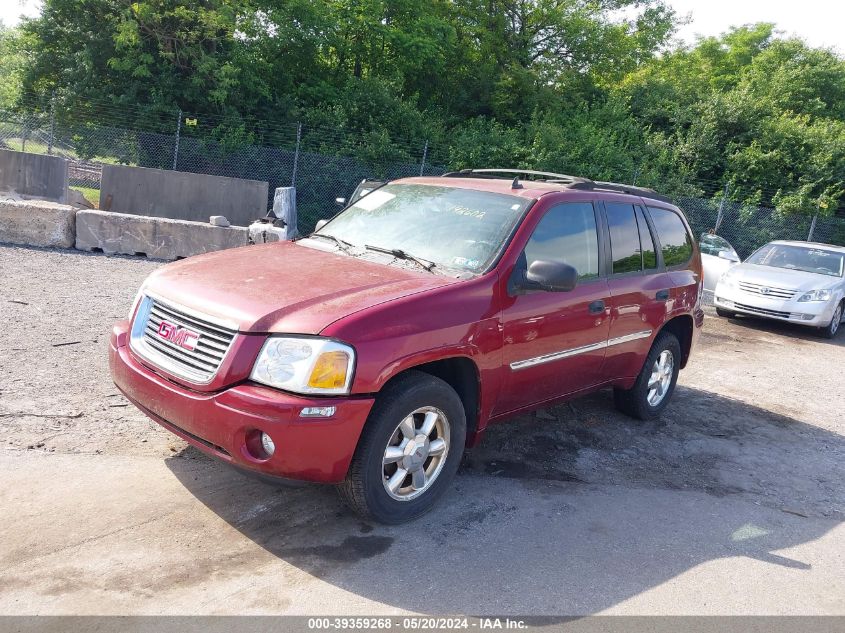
x: 571, y: 510
x: 783, y: 328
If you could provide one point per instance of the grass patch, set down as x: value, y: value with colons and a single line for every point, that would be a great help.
x: 33, y: 147
x: 91, y: 194
x: 37, y: 147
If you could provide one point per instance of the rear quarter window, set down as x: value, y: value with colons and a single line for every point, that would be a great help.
x: 675, y: 240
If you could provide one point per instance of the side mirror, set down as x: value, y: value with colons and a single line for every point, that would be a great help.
x: 552, y: 276
x: 731, y: 256
x: 341, y: 202
x: 320, y: 224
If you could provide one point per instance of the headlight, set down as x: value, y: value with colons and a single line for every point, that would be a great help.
x: 302, y: 364
x: 816, y: 295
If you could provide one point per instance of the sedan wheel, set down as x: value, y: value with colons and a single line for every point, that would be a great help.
x: 831, y: 330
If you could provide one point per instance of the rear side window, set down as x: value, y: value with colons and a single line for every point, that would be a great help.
x: 624, y: 238
x: 675, y: 240
x: 567, y: 232
x: 646, y: 242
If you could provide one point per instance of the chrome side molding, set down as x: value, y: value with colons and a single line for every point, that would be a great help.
x: 567, y: 353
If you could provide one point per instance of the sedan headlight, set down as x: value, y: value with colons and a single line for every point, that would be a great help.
x: 816, y: 295
x: 302, y: 364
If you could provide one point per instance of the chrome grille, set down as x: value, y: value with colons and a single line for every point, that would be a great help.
x: 763, y: 311
x: 766, y: 291
x: 199, y: 364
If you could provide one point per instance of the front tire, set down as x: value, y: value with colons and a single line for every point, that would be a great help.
x: 726, y: 314
x: 656, y: 382
x: 833, y: 327
x: 409, y: 450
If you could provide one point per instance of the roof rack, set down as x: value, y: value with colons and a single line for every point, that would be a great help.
x: 643, y: 192
x: 542, y: 176
x: 570, y: 182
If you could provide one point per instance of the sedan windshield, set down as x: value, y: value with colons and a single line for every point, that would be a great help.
x: 453, y: 228
x: 804, y: 258
x: 713, y: 245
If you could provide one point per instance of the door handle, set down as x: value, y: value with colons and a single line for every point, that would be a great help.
x: 596, y: 307
x: 662, y: 295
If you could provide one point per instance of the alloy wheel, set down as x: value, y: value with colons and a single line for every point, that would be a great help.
x: 661, y: 378
x: 415, y: 453
x: 837, y: 319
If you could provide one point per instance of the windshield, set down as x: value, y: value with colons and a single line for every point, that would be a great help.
x: 713, y: 244
x: 805, y: 258
x: 454, y: 228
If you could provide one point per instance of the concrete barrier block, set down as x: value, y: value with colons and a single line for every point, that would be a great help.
x: 162, y: 238
x: 164, y: 193
x: 33, y: 175
x: 37, y: 223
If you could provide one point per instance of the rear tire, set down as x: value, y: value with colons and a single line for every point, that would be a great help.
x: 394, y: 439
x: 727, y: 314
x: 655, y: 384
x: 835, y: 324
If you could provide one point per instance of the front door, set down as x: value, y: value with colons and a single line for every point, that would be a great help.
x: 555, y: 341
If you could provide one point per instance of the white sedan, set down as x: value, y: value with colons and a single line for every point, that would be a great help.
x: 799, y: 282
x: 717, y: 256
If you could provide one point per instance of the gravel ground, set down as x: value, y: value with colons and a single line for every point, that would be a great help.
x: 55, y: 390
x: 753, y: 444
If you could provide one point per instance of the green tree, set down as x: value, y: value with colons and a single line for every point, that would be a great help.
x: 13, y: 61
x: 562, y: 85
x: 760, y: 113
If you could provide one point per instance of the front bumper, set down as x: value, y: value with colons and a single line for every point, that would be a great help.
x: 220, y: 423
x: 812, y: 313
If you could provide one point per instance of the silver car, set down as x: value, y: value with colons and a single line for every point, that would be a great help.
x: 799, y: 282
x: 717, y: 256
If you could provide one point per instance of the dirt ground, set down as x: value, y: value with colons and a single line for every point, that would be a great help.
x: 732, y: 502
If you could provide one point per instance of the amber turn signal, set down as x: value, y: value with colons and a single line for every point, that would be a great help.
x: 330, y: 370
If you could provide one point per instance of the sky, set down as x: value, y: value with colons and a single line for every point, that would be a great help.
x: 820, y: 22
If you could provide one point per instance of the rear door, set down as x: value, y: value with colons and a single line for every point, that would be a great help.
x: 554, y: 341
x: 639, y: 286
x: 678, y: 257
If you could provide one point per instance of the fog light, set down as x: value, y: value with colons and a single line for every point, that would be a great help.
x: 267, y: 444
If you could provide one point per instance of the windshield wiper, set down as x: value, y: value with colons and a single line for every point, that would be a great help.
x: 398, y: 253
x: 342, y: 244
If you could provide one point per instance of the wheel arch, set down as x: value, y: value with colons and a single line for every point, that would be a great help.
x: 682, y: 327
x: 462, y: 374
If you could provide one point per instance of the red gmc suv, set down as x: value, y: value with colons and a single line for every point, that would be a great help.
x: 371, y: 352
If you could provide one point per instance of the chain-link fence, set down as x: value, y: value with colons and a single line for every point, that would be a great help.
x: 322, y: 163
x: 749, y: 227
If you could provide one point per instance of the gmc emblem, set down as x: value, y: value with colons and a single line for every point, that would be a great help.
x: 177, y: 335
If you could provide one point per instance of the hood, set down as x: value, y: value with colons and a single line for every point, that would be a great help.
x: 284, y: 287
x: 783, y: 277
